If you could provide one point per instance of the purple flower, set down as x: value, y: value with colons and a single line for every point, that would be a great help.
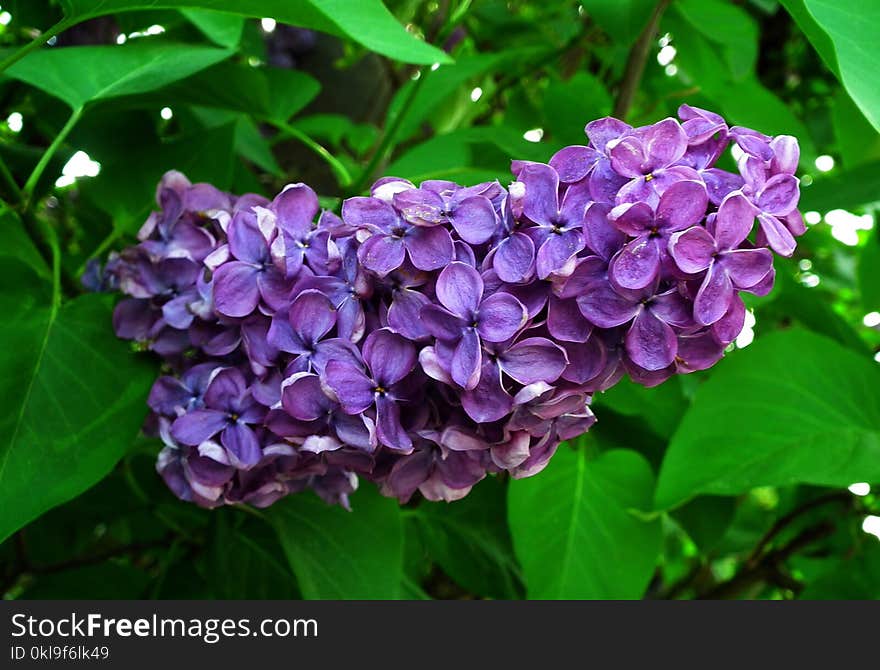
x: 558, y: 233
x: 717, y: 252
x: 436, y: 334
x: 387, y: 359
x: 392, y: 238
x: 302, y: 330
x: 638, y: 263
x: 649, y: 158
x: 467, y: 317
x: 240, y: 284
x: 650, y: 340
x: 230, y: 410
x: 300, y: 239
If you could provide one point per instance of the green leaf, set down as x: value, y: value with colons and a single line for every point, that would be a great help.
x: 568, y: 104
x: 18, y: 245
x: 74, y: 400
x: 574, y: 531
x: 794, y: 303
x: 794, y: 407
x: 706, y: 519
x: 857, y: 140
x: 852, y: 28
x: 869, y: 279
x: 441, y: 84
x: 246, y: 561
x: 106, y: 581
x: 622, y: 19
x: 339, y: 554
x: 844, y: 190
x: 367, y: 22
x: 470, y: 541
x: 660, y: 407
x: 852, y: 577
x: 102, y: 72
x: 126, y: 187
x: 275, y: 94
x: 222, y: 29
x: 739, y: 38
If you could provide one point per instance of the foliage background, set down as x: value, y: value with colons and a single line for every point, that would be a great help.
x: 730, y: 483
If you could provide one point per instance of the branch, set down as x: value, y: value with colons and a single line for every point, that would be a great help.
x: 635, y: 63
x: 770, y: 568
x: 784, y: 521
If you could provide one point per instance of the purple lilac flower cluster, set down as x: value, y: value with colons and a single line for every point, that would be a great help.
x: 433, y: 334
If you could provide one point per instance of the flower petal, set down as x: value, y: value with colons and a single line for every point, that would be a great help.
x: 295, y: 209
x: 566, y: 322
x: 714, y: 296
x: 199, y: 425
x: 605, y: 307
x: 303, y: 397
x: 746, y: 267
x: 382, y: 253
x: 535, y: 359
x: 650, y: 343
x: 352, y: 387
x: 682, y: 205
x: 734, y: 221
x: 466, y: 360
x: 637, y: 264
x: 236, y: 292
x: 573, y: 163
x: 692, y: 249
x: 242, y: 445
x: 474, y: 220
x: 429, y: 248
x: 500, y: 316
x: 779, y: 195
x: 514, y: 258
x: 388, y: 428
x: 487, y: 401
x: 312, y: 316
x: 460, y: 289
x: 557, y: 250
x: 541, y: 202
x: 390, y: 356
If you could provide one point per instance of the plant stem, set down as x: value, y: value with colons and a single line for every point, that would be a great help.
x: 31, y: 182
x: 9, y: 180
x: 38, y: 41
x: 390, y: 133
x: 339, y: 170
x: 635, y: 64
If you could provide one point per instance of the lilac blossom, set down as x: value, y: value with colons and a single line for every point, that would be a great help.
x: 432, y: 335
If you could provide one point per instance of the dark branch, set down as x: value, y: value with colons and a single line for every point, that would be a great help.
x: 635, y: 64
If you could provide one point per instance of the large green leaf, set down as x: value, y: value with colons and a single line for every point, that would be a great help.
x: 102, y: 72
x: 367, y: 22
x: 339, y: 554
x: 660, y: 407
x: 275, y: 94
x: 221, y: 28
x: 794, y: 407
x: 73, y: 399
x: 869, y: 279
x: 246, y: 560
x: 470, y: 541
x: 574, y: 529
x: 852, y: 27
x: 739, y: 38
x: 623, y: 19
x: 126, y: 187
x: 844, y: 190
x: 18, y: 245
